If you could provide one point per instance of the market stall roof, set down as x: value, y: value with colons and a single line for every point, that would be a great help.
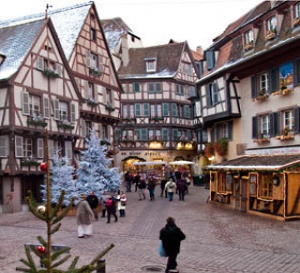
x: 262, y: 162
x: 182, y: 162
x: 150, y: 163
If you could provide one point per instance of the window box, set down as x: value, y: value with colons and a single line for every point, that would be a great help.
x: 50, y: 73
x: 285, y: 135
x: 271, y: 34
x: 296, y: 22
x: 262, y: 140
x: 109, y: 107
x: 66, y: 125
x: 91, y: 102
x: 262, y: 96
x: 248, y: 46
x: 37, y: 121
x: 95, y: 72
x: 156, y: 118
x: 29, y: 162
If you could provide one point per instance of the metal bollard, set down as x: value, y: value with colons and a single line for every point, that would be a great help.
x: 101, y: 269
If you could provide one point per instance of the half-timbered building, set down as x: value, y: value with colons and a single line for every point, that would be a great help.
x: 88, y: 99
x: 157, y: 115
x: 249, y: 94
x: 38, y: 92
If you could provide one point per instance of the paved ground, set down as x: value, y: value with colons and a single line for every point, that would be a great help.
x: 219, y: 240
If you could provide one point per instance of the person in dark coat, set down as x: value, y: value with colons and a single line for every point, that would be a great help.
x: 171, y: 237
x: 93, y: 201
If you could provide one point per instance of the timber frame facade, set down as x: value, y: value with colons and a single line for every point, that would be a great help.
x: 157, y: 116
x: 58, y: 78
x: 248, y: 94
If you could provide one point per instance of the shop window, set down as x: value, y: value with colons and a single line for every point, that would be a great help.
x: 265, y: 186
x: 253, y: 184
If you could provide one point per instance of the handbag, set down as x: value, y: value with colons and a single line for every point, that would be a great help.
x: 161, y: 250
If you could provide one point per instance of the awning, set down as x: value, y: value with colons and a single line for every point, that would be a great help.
x: 258, y: 162
x: 182, y: 162
x: 150, y: 163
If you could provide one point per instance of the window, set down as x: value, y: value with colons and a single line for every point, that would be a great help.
x: 150, y: 65
x: 91, y: 91
x: 265, y: 126
x: 108, y: 96
x: 136, y: 87
x: 155, y: 110
x: 271, y: 24
x: 31, y: 104
x: 297, y: 11
x: 154, y: 134
x: 29, y: 147
x: 50, y: 66
x: 142, y: 134
x: 192, y: 91
x: 263, y: 83
x: 128, y: 111
x: 288, y: 119
x: 265, y: 186
x: 154, y: 87
x: 179, y: 89
x: 174, y: 110
x: 142, y: 109
x: 249, y: 37
x: 4, y: 146
x: 213, y: 94
x: 127, y: 135
x: 93, y: 34
x: 61, y: 111
x: 93, y: 60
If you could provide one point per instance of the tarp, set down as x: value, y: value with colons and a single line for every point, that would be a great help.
x: 182, y: 162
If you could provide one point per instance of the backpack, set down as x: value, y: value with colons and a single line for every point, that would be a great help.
x: 109, y: 203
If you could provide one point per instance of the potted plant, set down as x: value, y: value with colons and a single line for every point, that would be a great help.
x: 109, y: 107
x: 37, y: 120
x: 91, y: 102
x: 262, y: 95
x: 50, y: 73
x: 221, y: 146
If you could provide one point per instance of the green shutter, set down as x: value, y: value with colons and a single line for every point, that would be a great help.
x: 137, y: 109
x: 253, y: 87
x: 165, y: 134
x: 166, y: 110
x: 146, y: 109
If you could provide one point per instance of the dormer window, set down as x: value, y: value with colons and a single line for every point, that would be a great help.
x: 150, y: 65
x: 271, y: 28
x: 297, y: 15
x: 248, y: 39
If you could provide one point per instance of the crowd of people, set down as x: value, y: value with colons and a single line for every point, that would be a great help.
x: 114, y: 205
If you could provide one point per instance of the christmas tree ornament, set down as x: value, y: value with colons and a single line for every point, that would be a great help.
x: 41, y: 209
x: 41, y: 249
x: 43, y: 166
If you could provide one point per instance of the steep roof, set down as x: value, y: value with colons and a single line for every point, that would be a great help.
x: 67, y: 21
x: 265, y: 162
x: 15, y: 44
x: 167, y: 57
x: 114, y: 29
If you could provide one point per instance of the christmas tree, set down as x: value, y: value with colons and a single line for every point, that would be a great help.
x: 61, y: 177
x: 49, y: 261
x: 95, y: 172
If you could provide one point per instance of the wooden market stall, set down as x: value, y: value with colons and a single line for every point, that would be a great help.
x: 157, y: 168
x: 266, y: 185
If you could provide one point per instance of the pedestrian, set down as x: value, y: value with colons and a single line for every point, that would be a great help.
x: 136, y: 180
x: 170, y: 187
x: 93, y: 201
x: 171, y: 237
x: 151, y: 186
x: 103, y: 200
x: 111, y: 208
x: 181, y: 188
x: 84, y: 217
x: 162, y: 187
x: 122, y: 201
x: 187, y: 179
x: 141, y: 189
x: 128, y: 181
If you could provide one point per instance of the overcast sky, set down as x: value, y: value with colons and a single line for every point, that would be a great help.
x: 154, y: 21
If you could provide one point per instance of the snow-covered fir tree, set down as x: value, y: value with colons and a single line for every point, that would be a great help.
x: 61, y: 178
x: 95, y: 172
